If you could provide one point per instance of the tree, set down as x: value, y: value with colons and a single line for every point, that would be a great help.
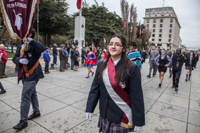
x: 3, y: 28
x: 53, y: 19
x: 100, y: 23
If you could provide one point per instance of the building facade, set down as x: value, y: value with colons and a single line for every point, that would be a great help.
x: 165, y: 28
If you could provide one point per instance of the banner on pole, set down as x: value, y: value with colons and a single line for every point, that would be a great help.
x: 18, y: 16
x: 78, y: 4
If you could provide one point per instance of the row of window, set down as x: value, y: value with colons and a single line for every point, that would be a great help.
x: 170, y: 30
x: 161, y: 15
x: 169, y: 40
x: 160, y: 35
x: 161, y: 21
x: 159, y: 9
x: 161, y: 25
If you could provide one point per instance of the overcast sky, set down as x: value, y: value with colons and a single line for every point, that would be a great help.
x: 188, y: 12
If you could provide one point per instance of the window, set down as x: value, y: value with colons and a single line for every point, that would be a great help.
x: 161, y: 25
x: 154, y: 30
x: 168, y: 45
x: 153, y: 35
x: 161, y: 20
x: 171, y: 20
x: 170, y: 30
x: 147, y: 10
x: 147, y: 20
x: 169, y: 9
x: 159, y: 45
x: 160, y: 40
x: 147, y: 25
x: 155, y: 15
x: 169, y: 40
x: 154, y: 21
x: 160, y: 9
x: 160, y: 30
x: 162, y: 15
x: 152, y: 40
x: 165, y: 9
x: 160, y: 35
x: 154, y: 25
x: 170, y: 25
x: 170, y: 35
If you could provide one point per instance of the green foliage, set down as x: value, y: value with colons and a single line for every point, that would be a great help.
x: 10, y: 55
x: 100, y: 23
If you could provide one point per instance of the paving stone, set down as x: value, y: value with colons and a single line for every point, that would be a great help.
x: 194, y: 117
x: 62, y: 120
x: 195, y: 105
x: 160, y: 124
x: 72, y: 97
x: 4, y: 107
x: 45, y: 86
x: 193, y: 129
x: 11, y: 93
x: 177, y: 101
x: 195, y: 96
x: 87, y: 126
x: 171, y: 111
x: 180, y: 93
x: 32, y: 128
x: 148, y: 103
x: 53, y: 92
x: 151, y: 95
x: 8, y: 120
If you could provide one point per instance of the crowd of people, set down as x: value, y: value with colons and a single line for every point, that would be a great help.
x: 116, y: 83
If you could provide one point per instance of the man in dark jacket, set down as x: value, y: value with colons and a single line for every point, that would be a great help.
x: 47, y: 59
x: 196, y: 58
x: 72, y: 56
x: 177, y: 63
x: 144, y: 54
x: 83, y: 53
x: 55, y: 53
x: 30, y: 71
x: 62, y: 57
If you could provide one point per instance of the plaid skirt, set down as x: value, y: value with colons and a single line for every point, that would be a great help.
x: 189, y: 67
x: 107, y: 127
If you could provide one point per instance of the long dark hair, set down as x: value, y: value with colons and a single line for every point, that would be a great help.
x: 124, y: 64
x: 90, y: 47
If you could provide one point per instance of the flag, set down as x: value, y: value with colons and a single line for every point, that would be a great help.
x: 78, y: 4
x: 140, y: 31
x: 131, y: 29
x: 18, y: 16
x: 37, y: 0
x: 124, y: 23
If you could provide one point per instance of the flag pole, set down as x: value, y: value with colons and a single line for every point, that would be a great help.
x: 38, y: 21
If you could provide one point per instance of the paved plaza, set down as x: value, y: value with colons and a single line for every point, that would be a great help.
x: 63, y: 96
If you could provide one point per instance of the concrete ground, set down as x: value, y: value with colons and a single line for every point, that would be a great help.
x: 63, y: 95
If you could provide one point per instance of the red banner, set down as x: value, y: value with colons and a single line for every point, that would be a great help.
x: 78, y: 4
x: 18, y: 16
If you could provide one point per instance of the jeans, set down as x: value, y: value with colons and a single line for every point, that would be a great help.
x: 97, y: 59
x: 29, y: 95
x: 46, y: 67
x: 72, y: 64
x: 54, y: 58
x: 62, y: 64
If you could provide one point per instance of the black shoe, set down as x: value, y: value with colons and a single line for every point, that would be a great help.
x: 186, y: 80
x: 21, y: 125
x: 173, y: 86
x: 170, y: 76
x: 154, y: 75
x: 159, y: 85
x: 149, y: 76
x: 2, y: 92
x: 46, y: 73
x: 33, y: 116
x: 176, y: 89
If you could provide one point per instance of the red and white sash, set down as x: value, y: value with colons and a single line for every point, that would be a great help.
x: 118, y: 95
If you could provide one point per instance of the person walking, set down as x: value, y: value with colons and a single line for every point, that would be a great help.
x: 62, y: 56
x: 196, y: 58
x: 171, y: 54
x: 134, y: 55
x: 55, y: 53
x: 189, y: 65
x: 72, y: 56
x: 117, y: 87
x: 30, y: 72
x: 90, y: 61
x: 3, y: 61
x: 97, y: 54
x: 76, y: 59
x: 152, y: 55
x: 47, y: 59
x: 2, y: 89
x: 83, y: 53
x: 177, y: 63
x: 162, y: 61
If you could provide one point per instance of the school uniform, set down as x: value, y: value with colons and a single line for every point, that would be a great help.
x: 111, y: 113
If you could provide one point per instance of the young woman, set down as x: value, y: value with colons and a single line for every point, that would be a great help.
x: 163, y: 61
x: 189, y: 65
x: 170, y: 66
x: 117, y: 85
x: 90, y: 61
x: 76, y: 59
